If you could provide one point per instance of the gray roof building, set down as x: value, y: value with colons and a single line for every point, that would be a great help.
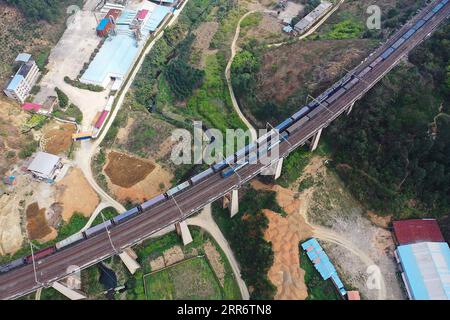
x: 44, y: 165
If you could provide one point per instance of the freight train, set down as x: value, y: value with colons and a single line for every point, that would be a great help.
x: 241, y: 158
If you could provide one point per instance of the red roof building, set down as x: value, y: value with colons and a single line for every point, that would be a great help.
x: 114, y: 13
x: 29, y: 106
x: 353, y: 295
x: 417, y: 230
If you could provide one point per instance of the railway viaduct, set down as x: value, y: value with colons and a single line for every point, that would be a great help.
x: 52, y: 268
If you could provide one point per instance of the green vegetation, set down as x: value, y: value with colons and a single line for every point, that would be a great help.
x: 252, y: 20
x: 71, y: 113
x: 255, y: 254
x: 293, y: 166
x: 193, y: 279
x: 306, y: 184
x: 50, y: 10
x: 212, y: 100
x: 347, y: 29
x: 84, y: 86
x: 28, y: 149
x: 108, y: 213
x: 63, y: 98
x: 183, y: 281
x: 182, y: 78
x: 318, y: 289
x: 392, y: 152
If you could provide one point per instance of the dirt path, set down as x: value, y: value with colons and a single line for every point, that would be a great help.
x: 228, y: 77
x: 205, y: 221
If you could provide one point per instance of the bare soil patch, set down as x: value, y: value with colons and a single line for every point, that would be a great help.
x: 304, y: 64
x: 149, y: 185
x: 285, y: 234
x: 76, y: 195
x: 11, y: 138
x: 37, y: 225
x: 57, y: 138
x: 125, y: 171
x: 215, y: 260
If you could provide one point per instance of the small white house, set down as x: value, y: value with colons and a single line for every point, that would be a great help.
x: 44, y: 166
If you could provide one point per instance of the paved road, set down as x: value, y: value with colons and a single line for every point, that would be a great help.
x: 86, y: 253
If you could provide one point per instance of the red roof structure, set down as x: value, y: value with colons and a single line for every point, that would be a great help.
x: 115, y: 13
x: 353, y: 295
x: 29, y: 106
x: 417, y: 230
x: 142, y: 14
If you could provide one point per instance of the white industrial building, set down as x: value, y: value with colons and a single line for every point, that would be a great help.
x: 20, y: 85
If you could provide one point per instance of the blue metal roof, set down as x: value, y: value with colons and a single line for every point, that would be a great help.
x: 12, y: 85
x: 103, y: 23
x: 114, y: 59
x: 322, y: 263
x: 426, y: 266
x: 156, y: 17
x: 23, y: 57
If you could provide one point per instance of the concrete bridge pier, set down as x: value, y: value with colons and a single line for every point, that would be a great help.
x: 274, y: 169
x: 69, y: 293
x: 232, y: 201
x: 315, y: 140
x: 128, y: 257
x: 183, y: 230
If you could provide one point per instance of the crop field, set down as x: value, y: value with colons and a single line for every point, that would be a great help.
x: 191, y: 279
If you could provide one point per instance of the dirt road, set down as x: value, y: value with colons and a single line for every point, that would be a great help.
x: 228, y: 78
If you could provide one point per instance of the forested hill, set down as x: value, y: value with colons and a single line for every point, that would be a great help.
x: 393, y: 151
x: 49, y: 10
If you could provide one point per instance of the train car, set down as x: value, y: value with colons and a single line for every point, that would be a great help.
x: 387, y: 53
x: 428, y: 16
x: 232, y: 169
x: 126, y: 215
x: 299, y: 114
x: 81, y: 136
x: 223, y: 163
x: 242, y: 153
x: 408, y: 34
x: 375, y: 62
x: 398, y: 43
x: 419, y: 24
x: 364, y: 72
x: 69, y: 241
x: 335, y: 96
x: 314, y: 112
x: 12, y: 265
x: 284, y: 124
x: 351, y: 83
x: 97, y: 229
x: 202, y: 175
x: 438, y: 7
x: 297, y: 125
x: 150, y: 203
x: 177, y: 189
x: 40, y: 254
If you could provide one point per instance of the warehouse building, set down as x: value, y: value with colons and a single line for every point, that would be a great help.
x: 312, y: 17
x: 20, y: 85
x: 424, y: 259
x: 425, y: 270
x: 45, y: 166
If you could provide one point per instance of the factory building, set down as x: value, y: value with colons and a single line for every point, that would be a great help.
x: 424, y: 259
x: 312, y: 17
x: 20, y: 85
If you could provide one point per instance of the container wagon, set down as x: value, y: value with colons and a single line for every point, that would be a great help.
x: 40, y: 254
x: 69, y: 241
x: 150, y: 203
x: 202, y: 175
x: 12, y: 265
x: 177, y: 189
x: 97, y: 229
x: 126, y: 215
x: 302, y: 112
